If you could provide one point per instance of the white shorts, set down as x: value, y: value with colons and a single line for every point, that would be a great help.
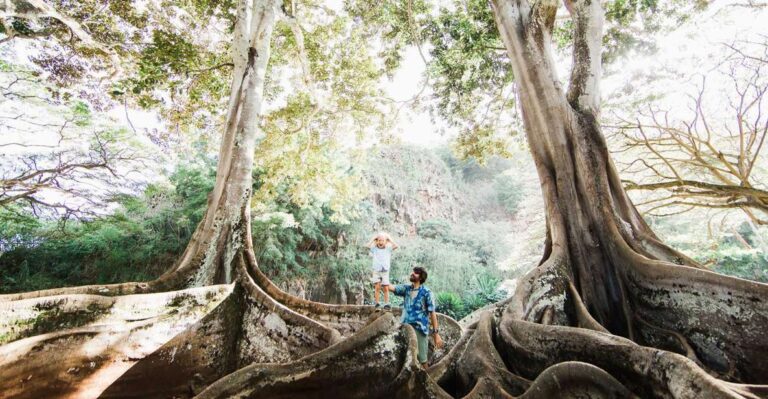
x: 380, y: 277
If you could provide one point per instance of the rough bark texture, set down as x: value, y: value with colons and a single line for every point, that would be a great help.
x: 611, y: 312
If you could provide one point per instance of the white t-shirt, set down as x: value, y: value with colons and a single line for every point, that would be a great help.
x: 381, y: 258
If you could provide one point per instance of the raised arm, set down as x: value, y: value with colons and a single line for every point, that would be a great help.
x: 399, y: 290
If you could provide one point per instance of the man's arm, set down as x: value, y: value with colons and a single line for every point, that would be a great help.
x: 399, y: 290
x: 435, y: 329
x: 433, y: 320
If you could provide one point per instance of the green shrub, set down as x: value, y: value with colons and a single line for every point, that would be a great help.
x: 509, y: 192
x: 482, y: 240
x: 745, y: 263
x: 450, y: 304
x: 433, y: 228
x: 482, y: 291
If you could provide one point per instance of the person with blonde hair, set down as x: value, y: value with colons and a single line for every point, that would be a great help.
x: 381, y: 247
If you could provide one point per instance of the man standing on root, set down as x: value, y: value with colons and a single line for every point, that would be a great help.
x: 419, y: 311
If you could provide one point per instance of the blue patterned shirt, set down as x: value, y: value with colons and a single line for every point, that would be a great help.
x: 416, y: 310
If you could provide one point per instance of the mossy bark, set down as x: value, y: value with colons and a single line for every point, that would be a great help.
x: 611, y: 312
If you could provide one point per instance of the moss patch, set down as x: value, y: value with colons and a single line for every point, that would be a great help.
x: 51, y: 317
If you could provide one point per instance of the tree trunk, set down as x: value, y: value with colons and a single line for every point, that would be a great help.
x: 610, y: 312
x: 160, y: 342
x: 211, y: 253
x: 604, y: 270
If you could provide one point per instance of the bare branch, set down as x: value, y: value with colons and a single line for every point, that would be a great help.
x: 60, y: 180
x: 708, y: 166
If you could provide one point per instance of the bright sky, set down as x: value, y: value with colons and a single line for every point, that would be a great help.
x: 693, y: 49
x: 415, y: 127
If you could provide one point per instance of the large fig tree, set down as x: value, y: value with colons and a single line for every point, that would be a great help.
x: 610, y: 311
x: 175, y: 335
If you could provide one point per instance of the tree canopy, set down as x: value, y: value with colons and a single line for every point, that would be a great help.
x: 242, y: 274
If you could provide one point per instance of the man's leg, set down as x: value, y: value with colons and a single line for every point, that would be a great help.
x: 423, y: 342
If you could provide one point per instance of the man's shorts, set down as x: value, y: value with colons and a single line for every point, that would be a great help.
x: 423, y: 342
x: 380, y: 277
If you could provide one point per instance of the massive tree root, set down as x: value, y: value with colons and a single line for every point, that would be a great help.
x: 179, y: 342
x: 75, y: 346
x: 149, y: 345
x: 611, y: 312
x: 379, y: 361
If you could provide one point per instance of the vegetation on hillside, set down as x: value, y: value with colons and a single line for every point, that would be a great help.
x: 296, y: 245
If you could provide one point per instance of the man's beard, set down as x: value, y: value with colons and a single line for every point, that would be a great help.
x: 413, y: 279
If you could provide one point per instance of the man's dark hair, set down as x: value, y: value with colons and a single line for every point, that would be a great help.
x: 422, y: 274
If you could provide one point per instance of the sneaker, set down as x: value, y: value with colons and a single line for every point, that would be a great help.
x: 377, y: 305
x: 387, y: 306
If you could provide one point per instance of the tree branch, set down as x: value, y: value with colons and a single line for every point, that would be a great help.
x: 720, y: 188
x: 43, y: 9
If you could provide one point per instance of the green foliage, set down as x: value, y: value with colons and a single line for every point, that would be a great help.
x: 509, y: 192
x: 81, y: 113
x: 294, y: 240
x: 450, y: 304
x: 470, y: 169
x: 486, y: 287
x: 306, y: 242
x: 17, y: 227
x: 306, y: 153
x: 396, y: 21
x: 469, y: 61
x: 453, y: 251
x: 481, y: 292
x: 749, y: 264
x: 198, y: 80
x: 302, y: 165
x: 433, y: 228
x: 482, y: 240
x: 737, y: 251
x: 469, y: 70
x: 482, y: 142
x: 348, y: 270
x: 137, y: 242
x: 631, y: 23
x: 448, y: 266
x: 451, y: 260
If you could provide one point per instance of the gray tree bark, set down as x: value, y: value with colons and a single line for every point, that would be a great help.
x: 610, y: 312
